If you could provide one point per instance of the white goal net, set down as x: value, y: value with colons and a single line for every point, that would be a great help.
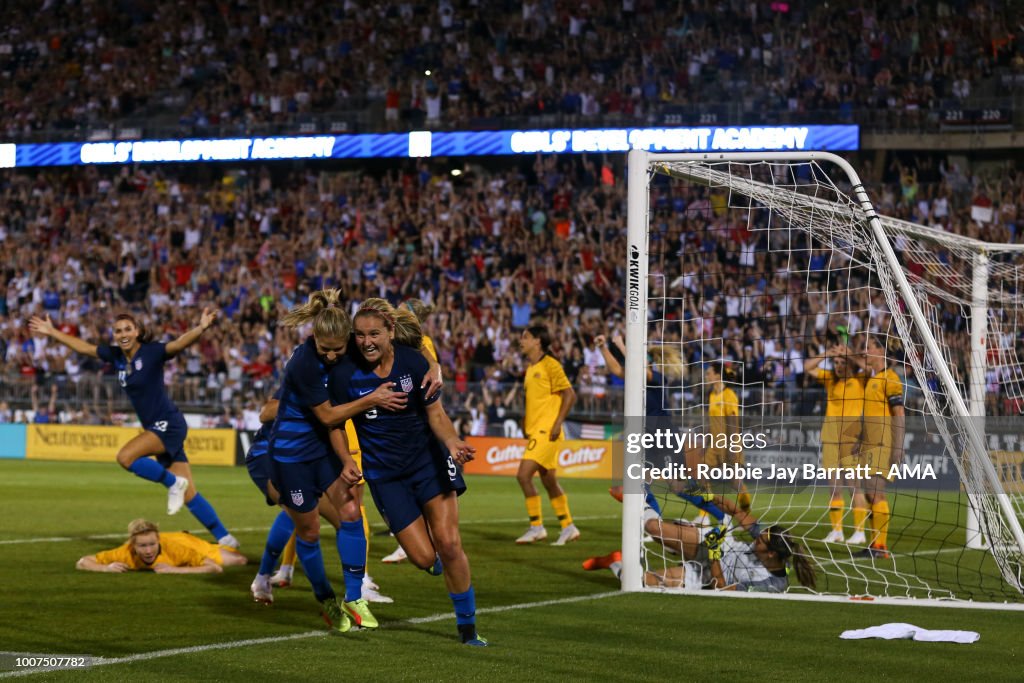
x: 855, y: 381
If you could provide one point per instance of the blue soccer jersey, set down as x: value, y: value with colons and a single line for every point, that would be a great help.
x: 143, y: 381
x: 297, y: 434
x: 392, y: 443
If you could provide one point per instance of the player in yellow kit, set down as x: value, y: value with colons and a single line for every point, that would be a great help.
x: 882, y: 432
x: 169, y: 553
x: 549, y: 398
x: 840, y: 432
x: 724, y: 426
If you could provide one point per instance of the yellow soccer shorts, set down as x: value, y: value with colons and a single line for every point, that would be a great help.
x: 543, y: 451
x: 838, y: 455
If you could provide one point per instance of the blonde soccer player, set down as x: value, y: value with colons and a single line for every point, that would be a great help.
x: 840, y: 432
x: 882, y: 433
x: 724, y: 426
x: 549, y: 398
x: 170, y: 553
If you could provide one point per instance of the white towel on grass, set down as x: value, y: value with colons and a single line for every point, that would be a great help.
x: 911, y: 632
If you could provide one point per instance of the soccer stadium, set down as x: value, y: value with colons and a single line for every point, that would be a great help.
x: 469, y: 340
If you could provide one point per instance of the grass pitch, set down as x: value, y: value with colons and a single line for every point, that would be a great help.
x: 545, y: 617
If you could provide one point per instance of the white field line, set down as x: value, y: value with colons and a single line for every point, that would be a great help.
x: 234, y: 644
x: 121, y: 534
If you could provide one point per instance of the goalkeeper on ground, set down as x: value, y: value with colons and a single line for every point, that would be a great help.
x: 761, y: 566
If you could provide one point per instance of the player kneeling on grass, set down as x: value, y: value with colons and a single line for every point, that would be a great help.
x: 171, y: 553
x: 761, y: 566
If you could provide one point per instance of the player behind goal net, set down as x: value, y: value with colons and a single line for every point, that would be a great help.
x: 853, y: 380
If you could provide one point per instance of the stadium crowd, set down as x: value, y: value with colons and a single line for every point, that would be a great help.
x: 492, y: 250
x: 239, y: 64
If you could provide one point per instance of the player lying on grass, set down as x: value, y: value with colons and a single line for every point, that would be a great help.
x: 171, y: 553
x: 760, y: 566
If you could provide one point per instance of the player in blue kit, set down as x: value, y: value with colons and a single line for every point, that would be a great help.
x: 304, y: 445
x: 411, y: 455
x: 139, y: 362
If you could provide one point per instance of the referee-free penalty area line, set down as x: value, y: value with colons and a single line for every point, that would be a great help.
x: 234, y: 644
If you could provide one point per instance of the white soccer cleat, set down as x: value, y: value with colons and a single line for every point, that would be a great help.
x: 532, y: 535
x: 176, y: 495
x: 857, y: 539
x: 373, y: 594
x: 229, y: 541
x: 261, y: 590
x: 568, y: 535
x: 835, y: 537
x: 368, y: 582
x: 395, y: 557
x: 282, y: 578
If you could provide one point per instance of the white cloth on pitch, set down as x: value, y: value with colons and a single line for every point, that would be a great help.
x: 911, y: 632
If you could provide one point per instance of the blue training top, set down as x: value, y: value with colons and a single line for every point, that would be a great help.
x: 297, y: 435
x: 392, y: 443
x: 143, y: 380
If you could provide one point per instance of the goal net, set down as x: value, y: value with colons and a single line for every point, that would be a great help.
x: 783, y: 341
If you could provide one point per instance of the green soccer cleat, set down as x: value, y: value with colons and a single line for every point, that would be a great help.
x: 478, y: 641
x: 359, y: 610
x: 333, y: 615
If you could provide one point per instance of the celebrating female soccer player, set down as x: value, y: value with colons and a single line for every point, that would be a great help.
x: 304, y: 450
x: 549, y: 397
x: 414, y: 483
x: 140, y: 370
x: 170, y: 553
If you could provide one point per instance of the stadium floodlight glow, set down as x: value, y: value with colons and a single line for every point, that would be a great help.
x: 435, y: 144
x: 929, y: 313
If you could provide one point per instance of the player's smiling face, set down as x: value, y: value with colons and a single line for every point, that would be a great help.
x: 373, y: 337
x: 126, y: 334
x: 330, y: 349
x: 147, y: 546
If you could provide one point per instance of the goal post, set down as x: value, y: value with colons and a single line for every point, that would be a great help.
x: 828, y: 258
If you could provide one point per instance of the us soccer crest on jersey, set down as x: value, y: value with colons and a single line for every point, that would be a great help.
x: 406, y: 383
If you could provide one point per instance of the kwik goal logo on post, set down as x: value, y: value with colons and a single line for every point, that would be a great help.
x: 406, y: 382
x: 633, y: 294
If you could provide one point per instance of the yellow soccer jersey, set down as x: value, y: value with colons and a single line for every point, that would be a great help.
x: 722, y: 405
x: 843, y: 408
x: 544, y: 380
x: 881, y: 392
x: 177, y: 549
x: 428, y: 344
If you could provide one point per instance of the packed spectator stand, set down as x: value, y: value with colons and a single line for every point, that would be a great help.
x: 500, y: 246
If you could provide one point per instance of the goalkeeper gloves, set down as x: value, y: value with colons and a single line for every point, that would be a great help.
x: 713, y: 542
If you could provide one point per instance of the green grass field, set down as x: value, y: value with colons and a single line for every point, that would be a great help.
x: 187, y: 628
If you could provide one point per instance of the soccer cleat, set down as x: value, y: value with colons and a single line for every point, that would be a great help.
x: 875, y: 552
x: 368, y: 582
x: 395, y: 557
x: 616, y: 493
x: 229, y: 541
x: 533, y: 534
x: 359, y: 610
x: 334, y: 617
x: 282, y: 578
x: 858, y: 538
x: 568, y: 535
x: 602, y: 561
x: 176, y: 495
x: 834, y: 536
x: 261, y: 590
x: 478, y: 641
x: 374, y: 595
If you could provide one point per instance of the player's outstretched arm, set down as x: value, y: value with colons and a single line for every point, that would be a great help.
x: 192, y: 336
x: 44, y: 327
x: 383, y: 396
x: 89, y: 563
